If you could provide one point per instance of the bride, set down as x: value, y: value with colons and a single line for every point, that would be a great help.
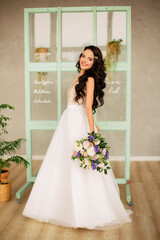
x: 63, y: 193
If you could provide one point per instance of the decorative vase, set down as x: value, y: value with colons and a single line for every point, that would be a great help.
x: 5, y: 173
x: 5, y: 190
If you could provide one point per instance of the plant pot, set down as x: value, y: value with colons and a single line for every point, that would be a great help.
x: 114, y: 48
x: 42, y: 54
x: 5, y: 190
x: 42, y: 50
x: 5, y: 173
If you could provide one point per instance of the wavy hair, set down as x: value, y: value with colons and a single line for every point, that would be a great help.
x: 97, y: 71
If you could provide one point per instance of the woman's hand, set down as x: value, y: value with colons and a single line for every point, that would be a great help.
x: 97, y: 128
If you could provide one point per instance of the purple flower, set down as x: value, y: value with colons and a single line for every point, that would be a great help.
x: 107, y: 155
x: 79, y: 154
x: 91, y: 138
x: 94, y: 164
x: 96, y: 149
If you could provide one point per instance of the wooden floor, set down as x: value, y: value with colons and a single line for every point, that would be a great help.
x: 145, y: 189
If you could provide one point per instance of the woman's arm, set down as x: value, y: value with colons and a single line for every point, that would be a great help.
x: 89, y: 102
x: 97, y: 128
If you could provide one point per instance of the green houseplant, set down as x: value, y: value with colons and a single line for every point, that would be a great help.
x: 7, y: 151
x: 113, y: 51
x: 41, y: 55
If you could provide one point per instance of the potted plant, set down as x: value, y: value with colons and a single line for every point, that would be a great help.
x: 7, y: 151
x: 113, y: 51
x: 41, y: 55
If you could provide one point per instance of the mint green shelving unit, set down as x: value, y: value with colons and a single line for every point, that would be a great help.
x: 59, y: 67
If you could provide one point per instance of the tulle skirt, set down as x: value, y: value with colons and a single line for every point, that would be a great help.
x: 67, y: 195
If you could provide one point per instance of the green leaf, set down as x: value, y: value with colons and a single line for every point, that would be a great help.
x: 4, y: 106
x: 4, y: 164
x: 17, y: 160
x: 8, y: 147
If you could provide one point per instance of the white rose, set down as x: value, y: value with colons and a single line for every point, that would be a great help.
x: 86, y: 144
x: 96, y: 141
x: 91, y: 151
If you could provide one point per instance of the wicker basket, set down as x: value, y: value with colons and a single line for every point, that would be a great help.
x: 5, y: 190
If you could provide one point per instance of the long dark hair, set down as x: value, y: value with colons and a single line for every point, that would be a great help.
x: 98, y: 73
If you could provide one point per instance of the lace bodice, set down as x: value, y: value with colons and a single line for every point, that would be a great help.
x: 72, y: 93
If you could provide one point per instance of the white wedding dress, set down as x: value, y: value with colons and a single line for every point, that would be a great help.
x: 67, y: 195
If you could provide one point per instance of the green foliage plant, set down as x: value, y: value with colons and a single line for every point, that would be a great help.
x: 8, y: 148
x: 113, y: 51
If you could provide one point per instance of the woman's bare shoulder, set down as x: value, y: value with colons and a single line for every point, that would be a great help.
x: 90, y: 79
x: 90, y: 82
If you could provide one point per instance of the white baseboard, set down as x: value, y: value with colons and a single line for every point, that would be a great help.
x: 112, y: 158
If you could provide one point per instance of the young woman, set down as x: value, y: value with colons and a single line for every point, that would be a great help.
x: 63, y: 193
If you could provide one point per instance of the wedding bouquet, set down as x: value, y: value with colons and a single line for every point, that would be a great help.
x: 92, y: 152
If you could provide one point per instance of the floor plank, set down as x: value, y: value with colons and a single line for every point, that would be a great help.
x: 154, y: 203
x: 146, y: 228
x: 155, y: 167
x: 150, y: 185
x: 140, y: 201
x: 145, y: 192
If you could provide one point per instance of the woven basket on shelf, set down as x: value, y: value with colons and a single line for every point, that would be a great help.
x: 5, y: 190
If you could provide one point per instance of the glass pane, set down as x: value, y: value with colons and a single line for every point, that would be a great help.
x: 108, y: 29
x: 67, y: 79
x: 43, y: 37
x: 114, y: 108
x: 44, y: 95
x: 40, y: 143
x: 116, y: 140
x: 75, y: 34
